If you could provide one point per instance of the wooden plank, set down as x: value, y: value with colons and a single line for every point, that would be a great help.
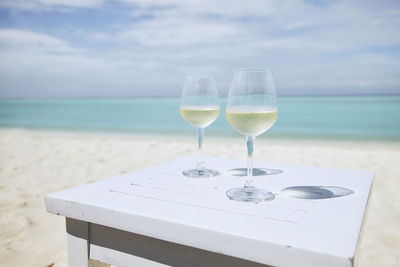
x: 121, y: 259
x: 122, y: 248
x: 77, y: 236
x: 361, y: 234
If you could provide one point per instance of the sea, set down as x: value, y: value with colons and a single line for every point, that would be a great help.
x: 309, y: 117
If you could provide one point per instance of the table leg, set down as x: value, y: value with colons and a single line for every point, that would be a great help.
x: 78, y: 238
x: 77, y: 251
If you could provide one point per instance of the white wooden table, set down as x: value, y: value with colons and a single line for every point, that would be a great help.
x: 157, y: 217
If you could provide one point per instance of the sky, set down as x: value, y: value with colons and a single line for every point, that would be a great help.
x: 117, y: 48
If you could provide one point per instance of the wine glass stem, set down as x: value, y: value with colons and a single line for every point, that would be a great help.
x: 200, y: 134
x: 250, y: 148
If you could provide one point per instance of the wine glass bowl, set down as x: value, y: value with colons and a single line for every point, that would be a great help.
x: 252, y: 109
x: 200, y: 117
x: 200, y: 107
x: 251, y: 121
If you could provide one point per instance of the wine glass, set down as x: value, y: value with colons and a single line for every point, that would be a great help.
x: 252, y: 109
x: 200, y: 107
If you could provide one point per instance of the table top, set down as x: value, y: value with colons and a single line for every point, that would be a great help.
x: 160, y: 202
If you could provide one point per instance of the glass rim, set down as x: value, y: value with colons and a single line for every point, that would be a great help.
x: 253, y: 69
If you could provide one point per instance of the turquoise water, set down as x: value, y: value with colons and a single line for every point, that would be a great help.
x: 356, y: 117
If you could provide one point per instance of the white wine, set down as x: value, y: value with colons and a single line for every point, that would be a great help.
x: 251, y: 121
x: 200, y: 116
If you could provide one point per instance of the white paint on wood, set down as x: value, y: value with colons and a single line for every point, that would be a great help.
x: 121, y: 259
x: 117, y: 246
x: 159, y: 202
x: 77, y: 251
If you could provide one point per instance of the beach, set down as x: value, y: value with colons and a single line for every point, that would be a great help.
x: 91, y: 90
x: 36, y: 163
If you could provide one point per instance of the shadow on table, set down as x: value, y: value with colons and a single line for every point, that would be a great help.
x: 316, y: 192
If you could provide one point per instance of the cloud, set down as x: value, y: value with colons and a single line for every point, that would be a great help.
x: 20, y: 40
x: 340, y: 46
x: 292, y: 24
x: 48, y: 5
x: 172, y: 32
x: 226, y: 8
x: 34, y: 64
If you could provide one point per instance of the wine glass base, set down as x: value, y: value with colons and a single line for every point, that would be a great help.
x: 249, y: 194
x: 200, y: 173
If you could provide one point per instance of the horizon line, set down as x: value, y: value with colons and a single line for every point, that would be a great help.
x: 161, y: 96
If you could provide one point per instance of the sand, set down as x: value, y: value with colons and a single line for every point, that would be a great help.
x: 34, y: 163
